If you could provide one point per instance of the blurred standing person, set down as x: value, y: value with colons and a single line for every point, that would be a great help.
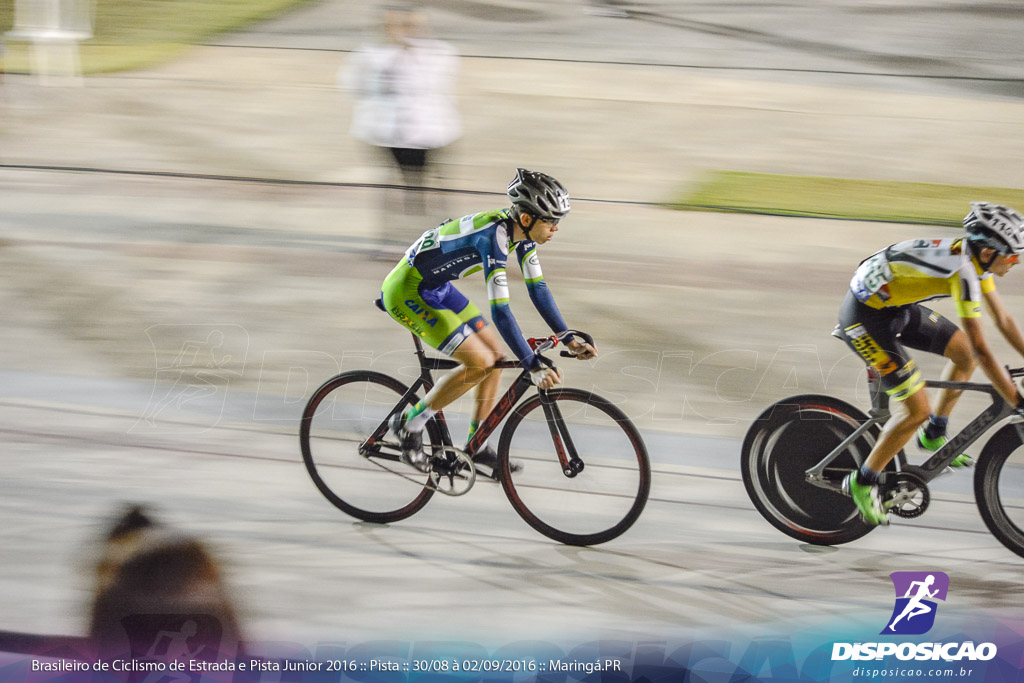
x: 404, y: 105
x: 606, y: 8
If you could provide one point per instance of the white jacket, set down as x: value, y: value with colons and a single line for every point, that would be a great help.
x: 403, y: 95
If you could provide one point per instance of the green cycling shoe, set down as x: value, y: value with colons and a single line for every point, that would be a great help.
x: 962, y: 460
x: 867, y: 498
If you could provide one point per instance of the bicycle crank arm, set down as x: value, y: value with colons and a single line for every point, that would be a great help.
x: 824, y: 483
x: 382, y: 450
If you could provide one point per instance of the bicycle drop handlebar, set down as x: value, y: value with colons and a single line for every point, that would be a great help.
x: 547, y: 343
x: 538, y: 345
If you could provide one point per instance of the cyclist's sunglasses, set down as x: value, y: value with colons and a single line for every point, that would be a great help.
x: 1012, y: 258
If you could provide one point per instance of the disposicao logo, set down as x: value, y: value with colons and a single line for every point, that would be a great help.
x: 916, y: 593
x: 914, y: 614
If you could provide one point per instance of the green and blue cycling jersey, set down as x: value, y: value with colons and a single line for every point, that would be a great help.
x: 418, y: 292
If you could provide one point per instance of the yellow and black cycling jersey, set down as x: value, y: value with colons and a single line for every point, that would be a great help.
x: 919, y: 270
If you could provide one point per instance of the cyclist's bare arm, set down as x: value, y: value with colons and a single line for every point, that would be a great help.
x: 996, y: 373
x: 1004, y: 321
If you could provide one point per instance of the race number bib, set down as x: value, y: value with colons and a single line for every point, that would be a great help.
x: 870, y: 277
x: 427, y: 241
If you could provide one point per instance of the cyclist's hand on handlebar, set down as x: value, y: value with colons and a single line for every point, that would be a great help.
x: 581, y: 350
x: 546, y: 377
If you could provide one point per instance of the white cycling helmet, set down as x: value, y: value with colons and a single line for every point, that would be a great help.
x: 995, y: 226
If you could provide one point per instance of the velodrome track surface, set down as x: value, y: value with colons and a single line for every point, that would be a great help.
x: 699, y: 560
x: 703, y: 319
x: 88, y: 424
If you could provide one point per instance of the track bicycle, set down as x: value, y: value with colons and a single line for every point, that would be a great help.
x: 796, y: 453
x: 585, y: 474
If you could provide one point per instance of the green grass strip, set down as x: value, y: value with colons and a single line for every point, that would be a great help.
x: 133, y: 34
x: 843, y: 198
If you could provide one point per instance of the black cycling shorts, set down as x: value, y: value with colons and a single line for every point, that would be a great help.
x: 879, y: 336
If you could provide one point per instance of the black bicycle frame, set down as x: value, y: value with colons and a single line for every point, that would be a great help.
x: 941, y: 459
x: 974, y: 430
x: 567, y: 456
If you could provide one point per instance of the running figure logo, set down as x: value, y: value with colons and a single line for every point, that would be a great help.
x: 916, y: 592
x: 195, y: 366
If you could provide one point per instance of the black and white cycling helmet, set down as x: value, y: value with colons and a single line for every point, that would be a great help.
x: 539, y: 195
x: 995, y: 226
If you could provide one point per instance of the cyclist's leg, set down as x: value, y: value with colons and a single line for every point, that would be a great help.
x: 872, y: 333
x: 445, y: 320
x: 487, y: 389
x: 463, y: 342
x: 476, y: 360
x: 477, y: 348
x: 961, y: 366
x: 898, y: 430
x: 485, y: 399
x: 929, y: 331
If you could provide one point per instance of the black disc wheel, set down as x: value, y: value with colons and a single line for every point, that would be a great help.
x: 584, y: 474
x: 791, y: 437
x: 999, y: 487
x: 351, y: 457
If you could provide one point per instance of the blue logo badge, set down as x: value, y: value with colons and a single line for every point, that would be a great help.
x: 916, y: 593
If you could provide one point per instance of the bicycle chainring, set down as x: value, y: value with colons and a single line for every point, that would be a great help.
x: 451, y: 471
x: 908, y: 497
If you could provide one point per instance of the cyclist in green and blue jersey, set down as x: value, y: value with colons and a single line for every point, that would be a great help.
x: 418, y: 293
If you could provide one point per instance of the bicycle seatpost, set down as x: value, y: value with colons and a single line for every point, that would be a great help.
x: 879, y: 398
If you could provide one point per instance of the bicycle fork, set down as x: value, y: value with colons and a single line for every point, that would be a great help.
x: 566, y: 449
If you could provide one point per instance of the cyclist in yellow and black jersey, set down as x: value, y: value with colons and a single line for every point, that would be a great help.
x: 882, y: 314
x: 918, y: 270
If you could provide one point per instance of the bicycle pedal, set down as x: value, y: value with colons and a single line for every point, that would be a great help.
x: 844, y: 485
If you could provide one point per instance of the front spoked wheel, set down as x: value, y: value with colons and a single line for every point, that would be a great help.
x: 999, y: 487
x: 785, y: 441
x: 597, y: 489
x: 350, y: 456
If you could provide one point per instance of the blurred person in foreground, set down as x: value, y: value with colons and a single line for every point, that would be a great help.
x: 159, y: 595
x: 404, y: 105
x: 882, y: 314
x: 418, y: 293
